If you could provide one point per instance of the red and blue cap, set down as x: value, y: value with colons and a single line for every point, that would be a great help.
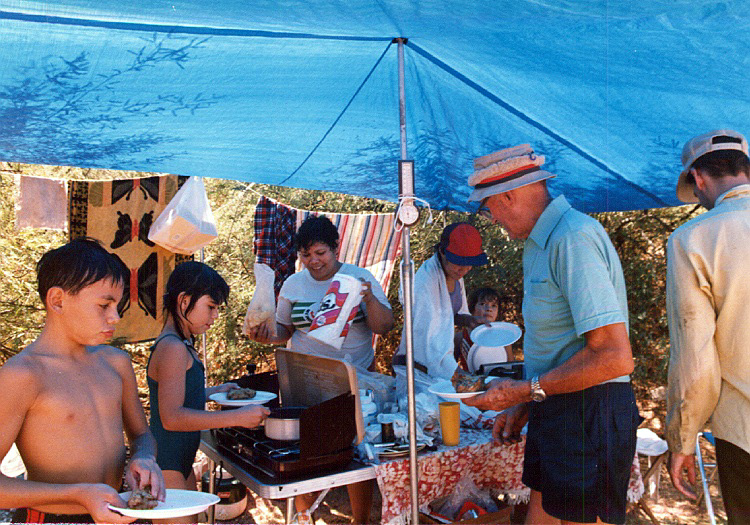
x: 461, y: 244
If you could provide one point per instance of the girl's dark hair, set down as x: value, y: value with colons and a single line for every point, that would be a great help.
x: 316, y: 229
x: 195, y: 279
x: 76, y: 265
x: 482, y: 294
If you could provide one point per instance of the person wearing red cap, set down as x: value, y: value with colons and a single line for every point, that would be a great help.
x: 708, y: 305
x: 440, y: 300
x: 577, y: 397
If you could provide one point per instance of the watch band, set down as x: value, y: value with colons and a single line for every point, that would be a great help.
x: 537, y: 392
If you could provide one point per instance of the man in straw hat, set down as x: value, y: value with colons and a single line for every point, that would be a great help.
x: 708, y: 307
x: 577, y: 399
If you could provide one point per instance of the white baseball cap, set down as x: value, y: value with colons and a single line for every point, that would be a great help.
x: 696, y: 147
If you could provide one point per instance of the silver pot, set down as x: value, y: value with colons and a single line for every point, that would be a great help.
x: 283, y: 423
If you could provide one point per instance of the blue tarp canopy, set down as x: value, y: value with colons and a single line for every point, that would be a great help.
x: 303, y: 93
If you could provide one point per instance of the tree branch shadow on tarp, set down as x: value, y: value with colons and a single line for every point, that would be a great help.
x: 58, y: 113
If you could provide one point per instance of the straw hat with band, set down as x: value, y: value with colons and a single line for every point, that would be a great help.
x: 720, y: 139
x: 506, y: 170
x: 461, y: 244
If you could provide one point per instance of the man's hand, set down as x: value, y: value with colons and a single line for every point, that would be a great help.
x: 95, y: 498
x: 501, y: 394
x: 509, y: 423
x: 142, y: 471
x: 677, y: 463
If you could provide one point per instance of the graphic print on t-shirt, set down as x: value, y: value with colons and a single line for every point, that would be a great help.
x: 303, y: 313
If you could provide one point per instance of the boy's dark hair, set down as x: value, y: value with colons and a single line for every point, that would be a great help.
x: 316, y: 229
x: 195, y: 279
x: 76, y: 265
x: 482, y: 294
x: 721, y: 163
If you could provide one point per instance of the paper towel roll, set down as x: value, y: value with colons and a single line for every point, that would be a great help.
x: 337, y: 310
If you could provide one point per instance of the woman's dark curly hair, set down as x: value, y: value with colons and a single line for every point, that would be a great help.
x: 316, y: 229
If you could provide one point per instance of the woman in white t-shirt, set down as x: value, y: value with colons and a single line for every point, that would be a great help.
x: 317, y: 241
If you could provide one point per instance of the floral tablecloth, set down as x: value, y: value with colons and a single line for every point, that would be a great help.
x: 491, y: 465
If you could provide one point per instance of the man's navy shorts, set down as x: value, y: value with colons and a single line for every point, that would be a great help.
x: 579, y: 451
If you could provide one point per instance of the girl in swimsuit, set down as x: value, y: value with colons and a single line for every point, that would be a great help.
x: 176, y: 376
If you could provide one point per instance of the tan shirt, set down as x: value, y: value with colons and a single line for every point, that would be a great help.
x: 708, y: 306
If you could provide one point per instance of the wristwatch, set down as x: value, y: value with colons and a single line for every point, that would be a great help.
x: 537, y: 394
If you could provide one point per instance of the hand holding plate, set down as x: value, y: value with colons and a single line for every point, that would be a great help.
x: 98, y: 500
x: 501, y: 394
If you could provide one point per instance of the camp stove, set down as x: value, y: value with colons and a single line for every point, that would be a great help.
x: 281, y: 460
x: 329, y: 426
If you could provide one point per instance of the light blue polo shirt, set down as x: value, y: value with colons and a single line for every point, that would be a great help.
x: 572, y: 283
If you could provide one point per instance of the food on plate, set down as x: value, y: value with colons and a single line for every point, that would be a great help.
x: 465, y: 382
x: 141, y: 499
x: 241, y: 393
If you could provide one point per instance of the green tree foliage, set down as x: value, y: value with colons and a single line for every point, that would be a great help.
x: 639, y: 237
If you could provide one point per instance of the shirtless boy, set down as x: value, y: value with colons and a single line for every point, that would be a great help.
x: 67, y: 398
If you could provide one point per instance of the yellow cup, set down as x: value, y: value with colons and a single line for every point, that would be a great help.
x: 450, y: 422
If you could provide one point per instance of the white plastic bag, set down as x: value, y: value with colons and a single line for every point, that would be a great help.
x: 187, y: 224
x: 262, y: 307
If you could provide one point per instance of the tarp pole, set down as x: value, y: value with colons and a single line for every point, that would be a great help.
x: 407, y: 272
x: 211, y: 465
x: 203, y: 338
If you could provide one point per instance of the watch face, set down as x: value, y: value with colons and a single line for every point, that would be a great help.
x: 538, y: 396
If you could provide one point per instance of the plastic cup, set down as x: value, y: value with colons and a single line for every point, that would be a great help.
x: 450, y: 422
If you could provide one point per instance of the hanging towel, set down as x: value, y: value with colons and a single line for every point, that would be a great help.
x: 41, y: 203
x: 119, y: 213
x: 273, y: 244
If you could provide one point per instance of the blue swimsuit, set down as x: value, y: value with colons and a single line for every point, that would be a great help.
x: 176, y: 450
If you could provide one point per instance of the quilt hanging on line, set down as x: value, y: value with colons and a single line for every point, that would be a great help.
x: 119, y: 214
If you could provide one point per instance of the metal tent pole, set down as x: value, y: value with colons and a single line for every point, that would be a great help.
x: 407, y: 272
x: 211, y: 464
x: 203, y: 337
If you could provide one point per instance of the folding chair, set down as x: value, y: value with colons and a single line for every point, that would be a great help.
x: 655, y: 449
x: 705, y: 480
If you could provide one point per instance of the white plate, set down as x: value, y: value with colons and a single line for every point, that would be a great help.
x: 445, y: 390
x: 498, y: 333
x: 178, y: 503
x: 260, y: 398
x: 481, y: 355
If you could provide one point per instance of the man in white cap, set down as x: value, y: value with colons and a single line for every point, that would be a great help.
x: 577, y: 396
x: 708, y: 307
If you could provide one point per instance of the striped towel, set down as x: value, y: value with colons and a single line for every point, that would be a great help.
x: 367, y: 240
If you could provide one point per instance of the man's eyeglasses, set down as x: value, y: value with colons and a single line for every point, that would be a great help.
x: 484, y: 212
